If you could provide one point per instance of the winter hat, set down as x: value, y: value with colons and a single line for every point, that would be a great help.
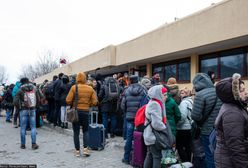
x: 134, y: 79
x: 164, y: 90
x: 228, y: 89
x: 146, y: 82
x: 171, y: 81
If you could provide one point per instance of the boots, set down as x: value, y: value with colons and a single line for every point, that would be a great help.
x: 66, y: 125
x: 62, y: 125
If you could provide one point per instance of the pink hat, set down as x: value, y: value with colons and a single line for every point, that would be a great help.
x: 164, y: 90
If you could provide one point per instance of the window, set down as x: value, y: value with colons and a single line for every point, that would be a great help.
x: 179, y: 69
x: 159, y: 70
x: 225, y: 63
x: 184, y: 71
x: 209, y: 65
x: 170, y: 71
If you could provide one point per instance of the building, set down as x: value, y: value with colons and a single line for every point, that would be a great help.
x: 215, y: 38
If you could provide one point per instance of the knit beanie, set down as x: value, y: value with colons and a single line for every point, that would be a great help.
x: 171, y: 81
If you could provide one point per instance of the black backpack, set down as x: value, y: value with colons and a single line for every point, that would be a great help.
x: 49, y: 90
x: 112, y: 90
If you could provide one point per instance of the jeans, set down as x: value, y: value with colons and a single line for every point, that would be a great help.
x: 83, y: 117
x: 63, y: 113
x: 113, y: 122
x: 209, y: 157
x: 8, y: 114
x: 128, y: 145
x: 25, y: 117
x: 153, y: 157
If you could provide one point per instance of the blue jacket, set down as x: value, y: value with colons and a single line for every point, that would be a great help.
x: 16, y: 88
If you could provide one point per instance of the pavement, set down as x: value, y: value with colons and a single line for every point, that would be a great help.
x: 56, y: 149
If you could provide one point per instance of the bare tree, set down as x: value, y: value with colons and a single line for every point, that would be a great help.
x: 45, y: 63
x: 3, y: 75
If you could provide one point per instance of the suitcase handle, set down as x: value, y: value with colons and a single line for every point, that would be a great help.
x: 92, y: 117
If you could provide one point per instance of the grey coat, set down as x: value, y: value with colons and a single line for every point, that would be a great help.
x: 204, y: 101
x: 154, y: 114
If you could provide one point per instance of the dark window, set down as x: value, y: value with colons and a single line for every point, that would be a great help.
x: 142, y: 71
x: 209, y: 65
x: 179, y: 69
x: 159, y: 70
x: 184, y: 71
x: 170, y: 71
x: 225, y: 63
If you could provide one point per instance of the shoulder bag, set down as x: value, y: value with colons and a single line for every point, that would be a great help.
x: 72, y: 112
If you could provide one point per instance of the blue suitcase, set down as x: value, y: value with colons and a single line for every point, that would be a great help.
x: 96, y: 133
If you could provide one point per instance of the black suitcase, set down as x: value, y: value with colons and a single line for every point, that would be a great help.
x: 96, y: 133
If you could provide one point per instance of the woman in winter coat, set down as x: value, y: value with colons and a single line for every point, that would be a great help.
x: 173, y: 113
x: 86, y: 98
x: 154, y: 111
x: 232, y: 124
x: 183, y: 138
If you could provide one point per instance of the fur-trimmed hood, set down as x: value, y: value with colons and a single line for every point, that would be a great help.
x: 228, y: 89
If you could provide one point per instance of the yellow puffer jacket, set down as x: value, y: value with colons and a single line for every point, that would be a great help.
x: 86, y: 94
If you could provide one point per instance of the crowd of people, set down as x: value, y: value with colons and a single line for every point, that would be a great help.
x: 190, y: 114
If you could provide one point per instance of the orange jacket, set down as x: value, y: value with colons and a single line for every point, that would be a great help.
x: 86, y: 94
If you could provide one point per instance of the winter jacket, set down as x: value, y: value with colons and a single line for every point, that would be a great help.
x: 185, y: 108
x: 86, y: 94
x: 232, y: 128
x: 173, y: 113
x: 56, y: 86
x: 63, y: 92
x: 19, y: 98
x: 16, y: 88
x: 204, y: 101
x: 154, y: 115
x: 131, y: 100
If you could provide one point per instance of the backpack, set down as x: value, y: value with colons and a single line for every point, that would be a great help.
x: 111, y: 88
x: 140, y: 118
x: 29, y: 99
x: 49, y: 90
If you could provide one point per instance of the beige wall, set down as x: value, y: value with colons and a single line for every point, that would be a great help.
x: 217, y: 23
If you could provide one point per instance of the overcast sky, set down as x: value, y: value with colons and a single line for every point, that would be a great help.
x: 76, y: 28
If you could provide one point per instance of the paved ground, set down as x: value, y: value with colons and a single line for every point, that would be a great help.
x: 56, y: 149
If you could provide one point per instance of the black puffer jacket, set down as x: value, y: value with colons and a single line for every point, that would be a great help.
x: 232, y: 129
x: 131, y: 100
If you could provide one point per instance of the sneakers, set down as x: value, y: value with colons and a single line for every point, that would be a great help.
x: 23, y: 146
x: 86, y: 152
x: 77, y: 153
x: 35, y: 146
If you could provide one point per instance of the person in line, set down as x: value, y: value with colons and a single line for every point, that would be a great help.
x: 232, y: 124
x: 183, y: 138
x: 130, y: 104
x: 86, y: 98
x: 27, y: 100
x: 205, y: 110
x: 155, y: 109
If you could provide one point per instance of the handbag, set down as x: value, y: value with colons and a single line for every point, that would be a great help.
x: 72, y: 113
x: 164, y: 139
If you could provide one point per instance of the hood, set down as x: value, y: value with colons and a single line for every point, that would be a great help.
x: 202, y: 81
x: 65, y: 79
x: 81, y: 78
x: 18, y: 84
x: 228, y: 89
x: 155, y: 92
x: 27, y: 87
x: 135, y: 89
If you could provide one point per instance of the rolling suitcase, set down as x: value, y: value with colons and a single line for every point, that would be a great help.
x: 96, y: 133
x: 139, y: 150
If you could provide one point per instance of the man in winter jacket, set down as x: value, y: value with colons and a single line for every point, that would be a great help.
x: 205, y: 110
x: 27, y: 100
x: 130, y: 104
